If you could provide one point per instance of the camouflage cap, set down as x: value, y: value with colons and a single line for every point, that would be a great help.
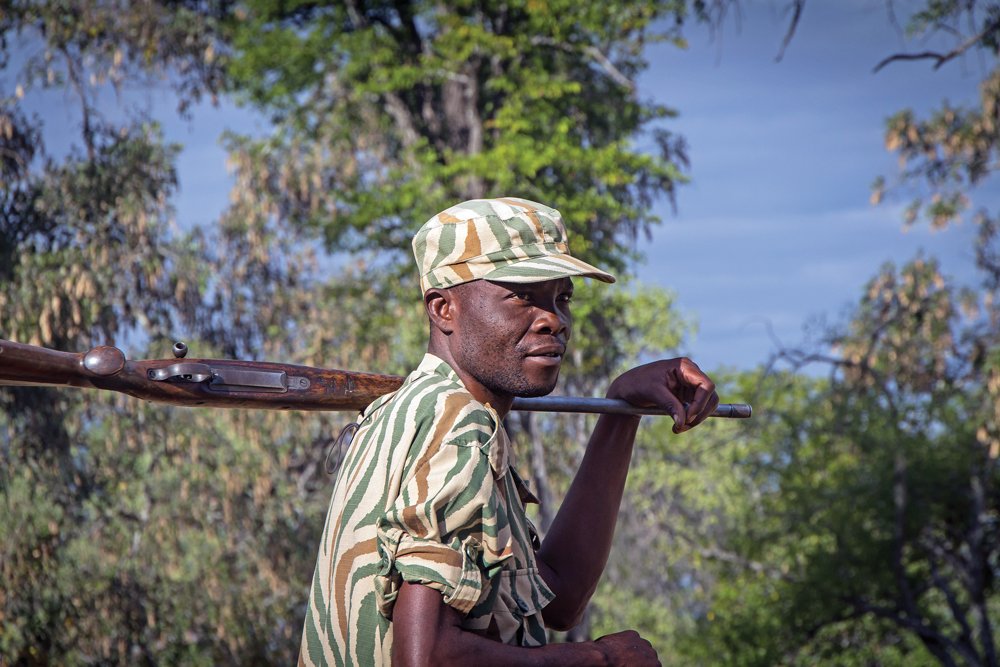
x: 508, y: 239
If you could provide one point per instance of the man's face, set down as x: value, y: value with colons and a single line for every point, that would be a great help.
x: 512, y: 336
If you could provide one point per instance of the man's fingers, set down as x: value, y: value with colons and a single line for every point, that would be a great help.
x: 704, y: 403
x: 667, y: 400
x: 627, y: 648
x: 692, y: 380
x: 677, y: 386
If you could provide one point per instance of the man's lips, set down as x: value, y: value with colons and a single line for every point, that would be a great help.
x: 547, y: 354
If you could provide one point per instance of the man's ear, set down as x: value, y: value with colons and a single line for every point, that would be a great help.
x: 441, y: 307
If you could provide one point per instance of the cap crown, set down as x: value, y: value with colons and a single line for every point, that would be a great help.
x: 508, y: 239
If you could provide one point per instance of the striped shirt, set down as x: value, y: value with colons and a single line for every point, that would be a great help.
x: 426, y: 494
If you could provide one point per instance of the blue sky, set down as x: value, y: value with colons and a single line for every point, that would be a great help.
x: 774, y: 229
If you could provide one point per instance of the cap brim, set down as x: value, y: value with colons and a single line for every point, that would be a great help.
x: 548, y: 267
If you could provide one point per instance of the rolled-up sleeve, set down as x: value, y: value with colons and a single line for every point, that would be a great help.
x: 441, y: 531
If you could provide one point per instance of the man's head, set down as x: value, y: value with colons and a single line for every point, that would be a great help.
x: 496, y: 277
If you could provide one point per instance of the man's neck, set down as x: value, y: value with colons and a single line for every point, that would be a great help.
x: 499, y: 402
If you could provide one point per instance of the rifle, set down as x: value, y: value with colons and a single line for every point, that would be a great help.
x: 227, y: 383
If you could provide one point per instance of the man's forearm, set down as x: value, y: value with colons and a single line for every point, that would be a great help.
x: 576, y: 547
x: 428, y: 632
x: 461, y: 647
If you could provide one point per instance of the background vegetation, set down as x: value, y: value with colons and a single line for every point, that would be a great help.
x: 854, y: 522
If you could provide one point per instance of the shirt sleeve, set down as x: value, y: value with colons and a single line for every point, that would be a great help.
x: 442, y: 531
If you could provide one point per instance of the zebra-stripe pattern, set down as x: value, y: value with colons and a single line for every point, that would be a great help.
x: 426, y: 494
x: 507, y: 239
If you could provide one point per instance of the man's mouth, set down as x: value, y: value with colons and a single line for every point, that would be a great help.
x: 551, y: 354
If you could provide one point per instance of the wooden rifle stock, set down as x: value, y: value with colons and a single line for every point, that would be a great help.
x: 226, y: 383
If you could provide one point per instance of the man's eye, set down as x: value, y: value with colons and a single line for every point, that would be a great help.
x: 523, y: 296
x: 566, y: 298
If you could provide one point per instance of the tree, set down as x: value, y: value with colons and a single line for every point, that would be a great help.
x: 397, y: 110
x: 388, y: 112
x: 872, y: 535
x: 871, y: 524
x: 139, y: 533
x: 131, y: 534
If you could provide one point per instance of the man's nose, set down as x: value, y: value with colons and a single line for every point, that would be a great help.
x: 549, y: 320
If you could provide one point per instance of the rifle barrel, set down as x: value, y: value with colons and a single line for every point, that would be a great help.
x: 616, y: 407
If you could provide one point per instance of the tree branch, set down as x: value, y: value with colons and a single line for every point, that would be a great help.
x: 966, y: 646
x: 394, y: 105
x: 79, y: 86
x: 899, y: 499
x: 797, y: 6
x: 978, y: 558
x: 942, y: 58
x: 955, y: 562
x: 718, y: 554
x: 938, y: 644
x: 539, y: 471
x: 595, y: 54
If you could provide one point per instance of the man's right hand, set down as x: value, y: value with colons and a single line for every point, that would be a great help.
x: 669, y: 384
x: 627, y: 649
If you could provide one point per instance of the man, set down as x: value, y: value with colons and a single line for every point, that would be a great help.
x: 427, y: 557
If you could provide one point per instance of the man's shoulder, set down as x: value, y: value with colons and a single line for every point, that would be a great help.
x: 433, y: 397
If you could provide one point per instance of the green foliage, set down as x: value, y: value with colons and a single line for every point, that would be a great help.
x: 140, y: 534
x: 61, y: 286
x: 389, y: 113
x: 386, y: 113
x: 852, y: 522
x: 131, y: 534
x: 858, y: 524
x: 698, y: 542
x: 955, y: 149
x: 173, y: 544
x: 88, y: 44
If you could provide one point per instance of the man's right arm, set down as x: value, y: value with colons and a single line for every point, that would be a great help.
x: 426, y: 631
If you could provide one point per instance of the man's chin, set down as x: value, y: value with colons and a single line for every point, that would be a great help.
x: 523, y: 385
x: 535, y: 392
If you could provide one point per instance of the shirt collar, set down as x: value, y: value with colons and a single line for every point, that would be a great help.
x: 499, y: 453
x: 432, y: 364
